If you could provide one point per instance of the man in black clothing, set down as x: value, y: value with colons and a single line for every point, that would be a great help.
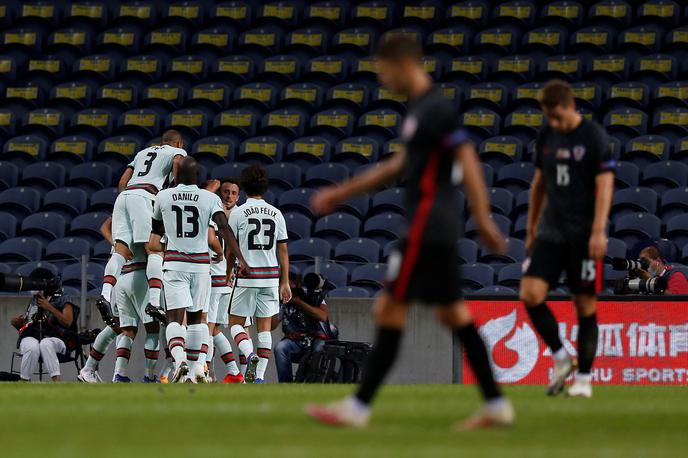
x: 425, y: 268
x: 570, y: 197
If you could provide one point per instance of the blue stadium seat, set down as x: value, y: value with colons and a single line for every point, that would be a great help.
x: 91, y: 176
x: 230, y: 169
x: 21, y: 249
x: 516, y: 177
x: 611, y: 276
x: 502, y: 222
x: 209, y: 96
x: 92, y: 121
x: 309, y: 249
x: 103, y: 200
x: 263, y: 41
x: 102, y: 251
x: 298, y: 226
x: 326, y: 70
x: 677, y: 230
x: 357, y: 206
x: 349, y: 292
x: 284, y: 176
x: 333, y: 124
x: 20, y: 201
x: 384, y: 228
x: 67, y: 250
x: 468, y: 251
x: 240, y: 121
x: 626, y: 123
x: 588, y: 95
x: 71, y: 275
x: 308, y: 151
x: 297, y: 200
x: 489, y: 174
x: 383, y: 98
x: 46, y: 121
x: 501, y: 201
x: 466, y: 70
x: 646, y: 149
x: 671, y: 123
x: 389, y: 200
x: 626, y: 175
x: 8, y: 226
x: 283, y: 68
x: 637, y: 226
x: 355, y: 251
x: 348, y: 96
x: 356, y: 151
x: 616, y: 248
x: 44, y: 226
x: 470, y: 13
x: 510, y: 275
x: 325, y: 174
x: 520, y: 227
x: 337, y: 227
x: 140, y: 121
x: 495, y: 290
x: 369, y: 276
x: 674, y: 202
x: 215, y: 150
x: 632, y: 200
x: 665, y: 175
x: 25, y: 149
x: 482, y: 123
x: 26, y: 269
x: 564, y: 12
x: 257, y: 95
x: 88, y: 225
x: 302, y: 95
x: 334, y: 273
x: 191, y: 122
x: 72, y: 150
x: 516, y: 252
x: 44, y: 175
x: 261, y: 150
x: 9, y: 175
x: 501, y: 150
x: 477, y: 276
x: 611, y: 12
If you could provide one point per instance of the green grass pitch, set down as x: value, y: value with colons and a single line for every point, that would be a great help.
x: 72, y: 420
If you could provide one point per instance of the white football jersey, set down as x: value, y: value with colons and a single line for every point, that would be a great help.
x: 152, y: 168
x: 186, y: 212
x: 258, y: 227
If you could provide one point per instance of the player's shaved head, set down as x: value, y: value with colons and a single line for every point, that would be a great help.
x: 188, y: 171
x: 172, y: 137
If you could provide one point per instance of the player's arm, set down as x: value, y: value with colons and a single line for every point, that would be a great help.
x: 474, y: 184
x: 232, y: 251
x: 319, y: 313
x: 604, y: 185
x: 106, y: 230
x: 157, y: 230
x: 283, y: 258
x: 536, y: 202
x: 124, y: 179
x: 327, y: 199
x: 215, y: 245
x: 175, y: 165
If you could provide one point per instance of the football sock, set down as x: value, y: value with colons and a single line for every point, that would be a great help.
x: 587, y: 342
x: 100, y: 345
x: 154, y: 275
x: 242, y: 363
x: 196, y: 347
x: 379, y: 363
x: 224, y: 349
x: 242, y: 340
x: 546, y: 326
x: 151, y: 351
x: 264, y: 350
x: 176, y: 341
x: 211, y: 350
x: 124, y: 344
x: 111, y: 274
x: 169, y: 364
x: 477, y: 356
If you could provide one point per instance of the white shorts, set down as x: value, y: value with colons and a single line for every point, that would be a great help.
x: 131, y: 297
x: 131, y: 219
x: 218, y: 307
x: 258, y: 302
x: 186, y: 290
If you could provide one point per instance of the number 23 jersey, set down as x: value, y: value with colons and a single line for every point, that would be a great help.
x: 259, y: 227
x: 186, y: 212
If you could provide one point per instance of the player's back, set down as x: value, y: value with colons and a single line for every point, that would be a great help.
x: 151, y: 168
x: 258, y: 227
x: 186, y: 212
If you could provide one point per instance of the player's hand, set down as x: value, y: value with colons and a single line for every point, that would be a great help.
x: 325, y: 200
x: 243, y: 267
x: 285, y: 292
x: 597, y: 246
x: 230, y: 279
x: 126, y: 252
x: 217, y: 257
x: 212, y: 185
x: 493, y: 238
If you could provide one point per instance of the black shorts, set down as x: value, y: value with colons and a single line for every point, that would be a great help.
x: 549, y: 259
x: 430, y: 274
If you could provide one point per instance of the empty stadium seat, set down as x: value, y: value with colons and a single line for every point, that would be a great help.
x: 309, y: 249
x: 349, y: 292
x: 468, y: 251
x: 44, y: 175
x: 28, y: 268
x: 677, y: 230
x: 88, y: 225
x: 476, y: 276
x: 67, y: 250
x: 8, y: 226
x: 355, y: 251
x: 71, y: 275
x: 20, y: 201
x: 337, y: 227
x: 324, y: 174
x: 298, y: 226
x: 632, y: 200
x: 674, y: 202
x: 515, y: 252
x: 502, y: 222
x: 21, y: 249
x: 44, y: 226
x: 634, y: 227
x: 384, y: 228
x: 369, y: 276
x: 103, y: 200
x: 69, y: 202
x: 510, y: 275
x: 665, y: 175
x: 91, y: 176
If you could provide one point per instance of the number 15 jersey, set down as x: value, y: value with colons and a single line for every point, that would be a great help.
x: 259, y: 227
x: 186, y: 212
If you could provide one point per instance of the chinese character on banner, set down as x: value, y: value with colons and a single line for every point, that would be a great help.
x: 638, y: 343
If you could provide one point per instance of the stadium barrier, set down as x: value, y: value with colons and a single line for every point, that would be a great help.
x: 643, y: 340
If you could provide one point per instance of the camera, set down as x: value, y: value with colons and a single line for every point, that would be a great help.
x: 48, y: 284
x: 630, y: 264
x: 654, y: 285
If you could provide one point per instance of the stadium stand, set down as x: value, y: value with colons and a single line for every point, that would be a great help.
x: 290, y: 85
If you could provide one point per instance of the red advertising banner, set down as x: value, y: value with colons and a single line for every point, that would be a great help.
x: 641, y: 343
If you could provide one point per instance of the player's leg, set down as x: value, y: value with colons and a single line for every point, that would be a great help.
x: 244, y: 305
x: 243, y: 363
x: 586, y: 307
x: 31, y: 352
x: 177, y: 298
x: 497, y: 410
x: 124, y: 343
x: 151, y: 350
x: 50, y: 347
x: 197, y: 330
x: 219, y: 313
x: 267, y: 305
x: 89, y: 373
x: 390, y: 319
x: 286, y: 351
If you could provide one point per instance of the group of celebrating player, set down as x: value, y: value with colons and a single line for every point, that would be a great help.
x: 186, y: 243
x: 569, y: 205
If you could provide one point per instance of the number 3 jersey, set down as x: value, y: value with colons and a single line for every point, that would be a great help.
x: 186, y: 212
x: 152, y: 166
x: 258, y: 226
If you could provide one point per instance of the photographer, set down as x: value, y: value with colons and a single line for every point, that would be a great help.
x: 650, y: 274
x: 48, y: 328
x: 304, y: 323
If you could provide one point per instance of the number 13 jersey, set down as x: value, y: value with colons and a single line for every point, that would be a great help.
x: 259, y: 227
x: 186, y: 212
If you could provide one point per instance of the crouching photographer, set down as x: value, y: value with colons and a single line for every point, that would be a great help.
x: 304, y: 323
x: 48, y: 327
x: 650, y: 274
